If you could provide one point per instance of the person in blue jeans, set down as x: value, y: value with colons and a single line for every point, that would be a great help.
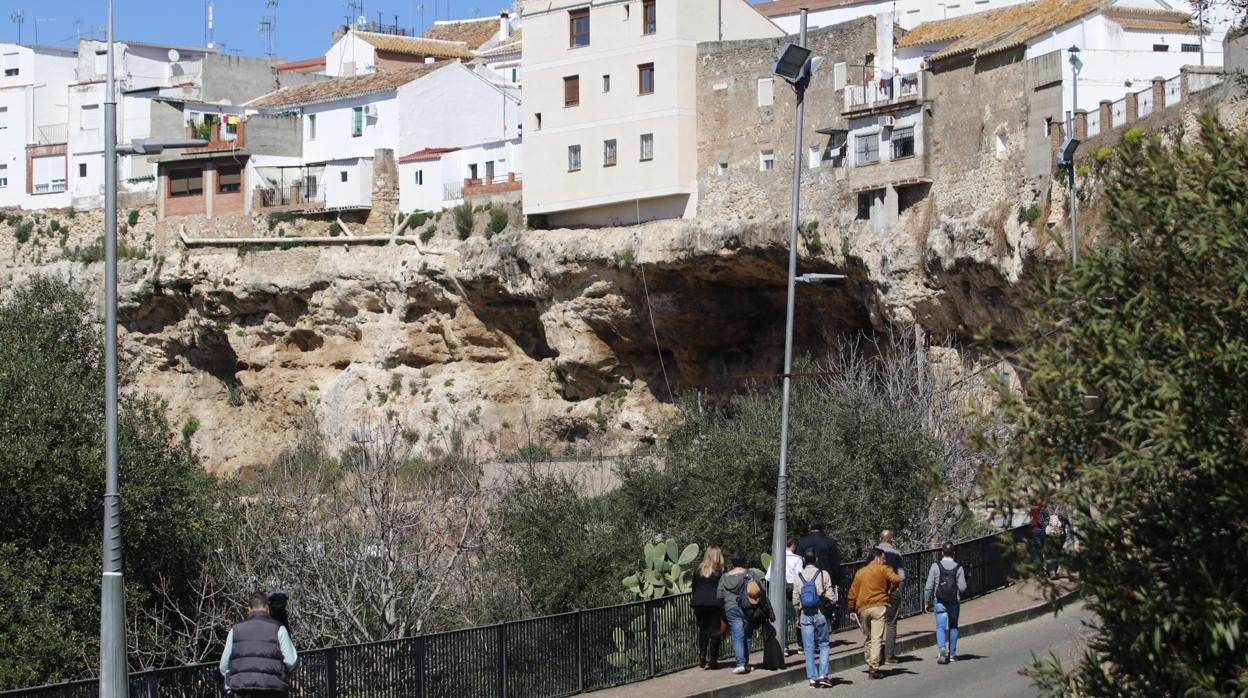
x: 741, y: 621
x: 946, y: 583
x: 813, y: 590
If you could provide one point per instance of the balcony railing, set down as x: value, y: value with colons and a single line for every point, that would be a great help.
x: 452, y: 191
x: 52, y: 134
x: 884, y: 92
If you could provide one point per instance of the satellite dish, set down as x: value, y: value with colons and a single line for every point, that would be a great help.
x: 174, y: 55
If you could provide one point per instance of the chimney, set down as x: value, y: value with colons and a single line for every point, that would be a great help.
x: 504, y: 25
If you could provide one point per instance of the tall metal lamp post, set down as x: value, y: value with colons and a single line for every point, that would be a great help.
x: 113, y: 678
x: 1066, y: 152
x: 795, y: 65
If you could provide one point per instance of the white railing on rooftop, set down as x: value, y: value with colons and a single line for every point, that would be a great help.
x: 1174, y: 90
x: 1094, y: 123
x: 1144, y: 102
x: 884, y: 91
x: 452, y: 191
x: 1118, y: 112
x: 53, y: 133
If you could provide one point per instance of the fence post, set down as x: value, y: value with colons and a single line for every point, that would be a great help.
x: 65, y: 689
x: 649, y: 639
x: 502, y: 659
x: 331, y: 672
x: 149, y: 683
x: 420, y: 665
x: 580, y: 652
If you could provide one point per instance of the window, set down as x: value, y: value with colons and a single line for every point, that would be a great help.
x: 865, y: 201
x: 903, y: 142
x: 574, y: 158
x: 571, y: 90
x: 608, y: 153
x: 816, y: 157
x: 89, y: 117
x: 489, y: 171
x: 420, y: 177
x: 838, y: 76
x: 357, y: 122
x: 721, y: 169
x: 342, y: 176
x: 515, y: 74
x: 766, y: 92
x: 1190, y: 48
x: 867, y: 149
x: 48, y: 174
x: 649, y: 17
x: 537, y: 117
x: 578, y: 28
x: 1161, y: 48
x: 472, y: 170
x: 4, y: 118
x: 645, y: 79
x: 606, y: 83
x: 311, y: 127
x: 767, y: 160
x: 10, y: 65
x: 82, y: 169
x: 186, y: 183
x: 229, y: 179
x: 4, y: 176
x: 647, y: 147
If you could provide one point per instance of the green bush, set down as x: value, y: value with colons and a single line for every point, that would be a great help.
x: 624, y: 258
x: 463, y: 220
x: 417, y: 219
x: 189, y: 427
x: 22, y: 232
x: 335, y: 229
x: 1028, y: 214
x: 1150, y: 470
x: 498, y: 220
x: 133, y: 218
x: 427, y: 234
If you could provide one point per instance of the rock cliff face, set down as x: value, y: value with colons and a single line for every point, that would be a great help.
x: 568, y: 337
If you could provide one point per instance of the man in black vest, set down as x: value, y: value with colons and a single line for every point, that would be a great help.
x: 258, y: 654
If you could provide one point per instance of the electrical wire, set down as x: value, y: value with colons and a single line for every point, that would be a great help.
x: 654, y: 330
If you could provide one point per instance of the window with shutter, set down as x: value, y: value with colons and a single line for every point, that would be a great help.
x: 186, y: 183
x: 571, y: 90
x: 229, y: 179
x: 578, y: 28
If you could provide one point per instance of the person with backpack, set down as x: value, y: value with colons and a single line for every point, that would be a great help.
x: 813, y: 591
x: 868, y: 602
x: 946, y: 583
x: 744, y: 598
x: 829, y: 559
x: 707, y: 608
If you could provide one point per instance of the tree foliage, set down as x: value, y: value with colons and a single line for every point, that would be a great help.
x: 52, y: 480
x: 1133, y: 419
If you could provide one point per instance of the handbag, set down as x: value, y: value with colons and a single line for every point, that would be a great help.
x: 722, y: 629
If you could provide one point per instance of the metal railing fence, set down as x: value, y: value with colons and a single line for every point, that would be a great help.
x: 543, y: 657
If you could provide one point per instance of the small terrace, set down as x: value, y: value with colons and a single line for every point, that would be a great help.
x: 883, y: 95
x: 492, y: 185
x: 289, y: 189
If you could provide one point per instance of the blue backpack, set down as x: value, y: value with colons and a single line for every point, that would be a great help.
x: 809, y: 596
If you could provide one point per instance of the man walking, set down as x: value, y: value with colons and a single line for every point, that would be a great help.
x: 792, y: 565
x: 259, y: 655
x: 868, y: 602
x: 946, y: 581
x: 892, y: 556
x: 812, y: 592
x: 827, y: 557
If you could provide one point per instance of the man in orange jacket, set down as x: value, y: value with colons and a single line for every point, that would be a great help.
x: 868, y: 604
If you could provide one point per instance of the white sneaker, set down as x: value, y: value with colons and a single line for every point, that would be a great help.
x: 741, y: 670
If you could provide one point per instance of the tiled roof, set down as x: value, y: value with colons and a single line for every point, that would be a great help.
x: 341, y: 88
x: 985, y: 33
x: 426, y: 155
x: 472, y: 32
x: 416, y: 45
x: 1141, y: 19
x: 511, y: 45
x: 780, y: 8
x: 302, y: 65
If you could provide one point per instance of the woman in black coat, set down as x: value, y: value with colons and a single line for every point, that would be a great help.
x: 707, y: 608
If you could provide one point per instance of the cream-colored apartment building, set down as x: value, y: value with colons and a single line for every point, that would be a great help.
x: 610, y: 104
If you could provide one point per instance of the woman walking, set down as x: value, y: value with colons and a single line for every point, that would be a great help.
x: 738, y: 586
x: 707, y: 608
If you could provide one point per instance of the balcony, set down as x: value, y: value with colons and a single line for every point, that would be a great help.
x: 883, y: 95
x: 289, y: 189
x: 492, y: 185
x: 52, y: 134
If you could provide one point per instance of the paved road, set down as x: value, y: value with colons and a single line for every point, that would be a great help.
x: 990, y: 668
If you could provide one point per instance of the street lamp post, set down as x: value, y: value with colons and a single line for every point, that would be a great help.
x: 795, y: 65
x: 113, y: 677
x: 1075, y: 65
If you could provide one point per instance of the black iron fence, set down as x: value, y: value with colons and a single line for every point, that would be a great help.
x: 543, y: 657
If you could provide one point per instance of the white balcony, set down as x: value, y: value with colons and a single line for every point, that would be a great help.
x: 884, y: 92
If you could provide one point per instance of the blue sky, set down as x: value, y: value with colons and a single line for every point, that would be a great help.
x: 303, y: 26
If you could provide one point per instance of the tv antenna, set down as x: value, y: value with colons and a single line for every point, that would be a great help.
x: 357, y: 11
x: 266, y: 28
x: 18, y: 17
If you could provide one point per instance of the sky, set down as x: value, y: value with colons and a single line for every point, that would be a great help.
x: 303, y: 27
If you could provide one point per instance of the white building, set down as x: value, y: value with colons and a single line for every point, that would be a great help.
x: 347, y: 120
x: 432, y: 179
x: 1217, y: 19
x: 357, y: 52
x: 33, y: 125
x: 610, y: 104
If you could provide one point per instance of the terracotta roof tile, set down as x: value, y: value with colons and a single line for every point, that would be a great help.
x: 341, y: 88
x: 1141, y: 19
x: 302, y: 65
x: 780, y: 8
x: 426, y: 154
x: 473, y: 32
x: 513, y: 43
x: 416, y: 45
x: 985, y: 33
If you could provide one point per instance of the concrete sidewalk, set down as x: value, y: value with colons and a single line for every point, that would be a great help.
x: 1006, y: 606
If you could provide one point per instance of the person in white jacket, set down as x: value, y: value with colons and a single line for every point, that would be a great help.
x: 946, y: 583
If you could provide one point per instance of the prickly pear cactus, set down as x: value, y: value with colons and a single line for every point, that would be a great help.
x: 665, y: 569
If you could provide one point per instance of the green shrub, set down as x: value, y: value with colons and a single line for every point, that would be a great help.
x: 22, y: 232
x: 624, y: 258
x: 498, y: 220
x: 189, y: 427
x: 427, y: 234
x: 1104, y: 153
x: 1028, y: 214
x: 463, y: 220
x: 335, y: 229
x: 133, y: 218
x: 417, y: 219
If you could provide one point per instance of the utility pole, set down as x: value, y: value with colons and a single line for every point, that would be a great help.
x: 113, y: 679
x: 18, y: 17
x: 1075, y: 65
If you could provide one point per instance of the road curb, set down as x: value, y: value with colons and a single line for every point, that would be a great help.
x: 797, y: 674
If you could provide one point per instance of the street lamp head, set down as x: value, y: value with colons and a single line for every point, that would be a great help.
x: 818, y: 278
x: 791, y: 61
x: 1066, y: 152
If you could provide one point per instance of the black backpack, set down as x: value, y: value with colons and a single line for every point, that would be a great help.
x: 947, y: 584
